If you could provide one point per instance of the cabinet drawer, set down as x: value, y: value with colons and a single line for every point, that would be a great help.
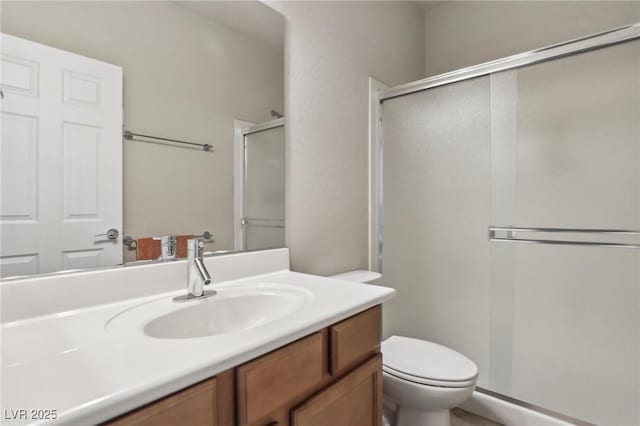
x: 355, y: 339
x: 281, y: 377
x: 194, y: 406
x: 354, y: 400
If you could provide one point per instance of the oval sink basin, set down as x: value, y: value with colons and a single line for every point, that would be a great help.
x: 232, y: 309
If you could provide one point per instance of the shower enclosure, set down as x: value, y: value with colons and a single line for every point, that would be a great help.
x: 511, y: 199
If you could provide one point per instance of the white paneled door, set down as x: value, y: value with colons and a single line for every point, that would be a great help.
x: 61, y: 160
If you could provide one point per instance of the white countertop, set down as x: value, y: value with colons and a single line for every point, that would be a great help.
x: 68, y: 362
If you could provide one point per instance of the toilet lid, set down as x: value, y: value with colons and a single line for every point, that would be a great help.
x: 426, y: 362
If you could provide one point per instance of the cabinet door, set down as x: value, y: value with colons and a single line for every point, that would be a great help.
x: 354, y: 400
x: 208, y: 403
x: 269, y: 386
x: 355, y: 339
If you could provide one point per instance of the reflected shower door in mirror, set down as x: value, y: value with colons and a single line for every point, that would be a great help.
x: 175, y: 76
x: 260, y: 212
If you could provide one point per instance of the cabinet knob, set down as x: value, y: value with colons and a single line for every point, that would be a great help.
x: 274, y: 423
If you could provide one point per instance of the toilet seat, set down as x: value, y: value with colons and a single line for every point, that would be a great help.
x: 428, y: 382
x: 427, y: 363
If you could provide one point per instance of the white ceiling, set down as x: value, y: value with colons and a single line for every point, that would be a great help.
x: 251, y: 18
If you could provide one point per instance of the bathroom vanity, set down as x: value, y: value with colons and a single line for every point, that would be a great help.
x: 331, y: 377
x: 272, y: 347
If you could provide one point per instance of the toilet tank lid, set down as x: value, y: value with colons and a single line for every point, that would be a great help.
x: 360, y: 276
x: 427, y: 360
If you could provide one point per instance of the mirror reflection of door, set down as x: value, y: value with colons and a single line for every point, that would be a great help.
x: 61, y: 158
x: 74, y: 193
x: 262, y: 186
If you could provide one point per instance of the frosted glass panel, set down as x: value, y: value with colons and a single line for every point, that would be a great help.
x: 261, y: 237
x: 436, y: 211
x: 577, y: 140
x: 565, y: 320
x: 575, y: 332
x: 264, y: 189
x: 265, y: 174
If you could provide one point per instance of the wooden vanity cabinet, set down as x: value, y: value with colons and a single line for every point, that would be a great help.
x: 328, y: 378
x: 332, y: 377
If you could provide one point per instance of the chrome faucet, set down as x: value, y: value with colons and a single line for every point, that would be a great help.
x: 197, y: 274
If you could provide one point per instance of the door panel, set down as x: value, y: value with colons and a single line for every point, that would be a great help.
x: 61, y: 158
x: 80, y: 145
x: 19, y: 166
x: 25, y: 264
x: 19, y: 75
x: 81, y: 259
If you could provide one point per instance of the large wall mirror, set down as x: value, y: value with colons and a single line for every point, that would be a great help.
x: 129, y: 127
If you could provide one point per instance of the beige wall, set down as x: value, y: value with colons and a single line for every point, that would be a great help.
x: 463, y: 33
x: 185, y: 78
x: 331, y: 50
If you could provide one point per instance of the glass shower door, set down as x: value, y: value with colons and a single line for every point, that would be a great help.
x: 436, y: 209
x: 565, y: 289
x: 511, y: 210
x: 264, y: 189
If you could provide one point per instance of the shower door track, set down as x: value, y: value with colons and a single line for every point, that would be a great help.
x: 535, y: 408
x: 544, y: 54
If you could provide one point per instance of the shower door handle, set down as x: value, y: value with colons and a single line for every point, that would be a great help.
x: 513, y: 231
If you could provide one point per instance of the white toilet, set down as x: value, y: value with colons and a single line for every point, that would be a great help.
x: 423, y: 381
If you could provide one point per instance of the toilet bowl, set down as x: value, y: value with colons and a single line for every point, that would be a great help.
x: 425, y: 380
x: 422, y: 380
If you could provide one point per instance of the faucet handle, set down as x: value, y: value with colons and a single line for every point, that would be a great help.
x: 195, y: 247
x: 167, y: 246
